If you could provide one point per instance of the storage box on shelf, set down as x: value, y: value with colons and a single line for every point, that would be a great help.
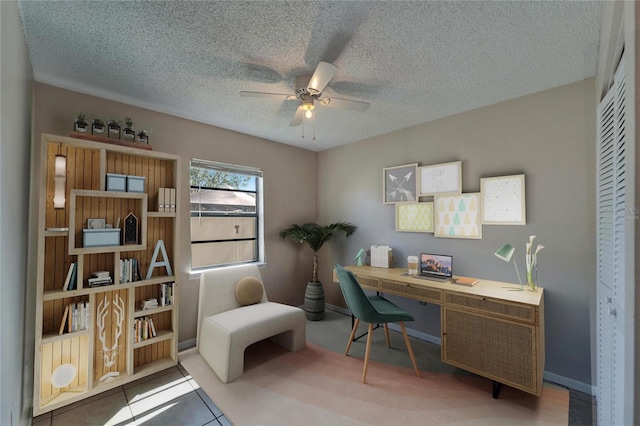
x: 94, y: 342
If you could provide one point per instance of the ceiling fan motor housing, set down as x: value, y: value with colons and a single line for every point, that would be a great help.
x: 301, y: 85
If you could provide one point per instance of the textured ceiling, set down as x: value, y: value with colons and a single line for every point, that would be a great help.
x: 413, y: 61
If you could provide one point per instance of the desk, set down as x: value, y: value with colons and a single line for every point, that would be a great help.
x: 485, y: 329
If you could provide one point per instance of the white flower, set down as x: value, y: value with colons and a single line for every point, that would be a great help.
x: 540, y: 247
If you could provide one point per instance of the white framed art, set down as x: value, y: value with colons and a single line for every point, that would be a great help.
x: 445, y: 178
x: 503, y: 200
x: 457, y: 216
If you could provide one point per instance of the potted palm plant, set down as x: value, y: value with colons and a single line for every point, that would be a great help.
x: 315, y: 236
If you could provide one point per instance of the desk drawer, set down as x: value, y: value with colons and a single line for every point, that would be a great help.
x: 505, y: 309
x: 367, y: 282
x: 413, y: 291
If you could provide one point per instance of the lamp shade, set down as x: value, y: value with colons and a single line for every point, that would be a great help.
x: 505, y: 252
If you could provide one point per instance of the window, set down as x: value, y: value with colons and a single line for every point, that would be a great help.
x: 226, y: 214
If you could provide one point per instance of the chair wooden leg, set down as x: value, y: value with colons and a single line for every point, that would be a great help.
x: 353, y: 333
x: 408, y: 343
x: 386, y: 334
x: 366, y: 354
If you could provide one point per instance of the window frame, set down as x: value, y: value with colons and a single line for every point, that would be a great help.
x: 258, y: 214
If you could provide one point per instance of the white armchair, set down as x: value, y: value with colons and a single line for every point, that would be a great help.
x: 229, y: 320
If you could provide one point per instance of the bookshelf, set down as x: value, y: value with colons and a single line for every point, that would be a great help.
x: 103, y: 349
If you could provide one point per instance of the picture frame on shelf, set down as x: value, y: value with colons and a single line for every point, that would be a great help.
x: 503, y: 200
x: 400, y: 184
x: 444, y: 178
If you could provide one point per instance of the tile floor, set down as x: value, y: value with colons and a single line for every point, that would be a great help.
x: 169, y: 397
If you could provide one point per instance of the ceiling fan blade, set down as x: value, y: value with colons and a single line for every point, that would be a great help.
x: 266, y: 95
x: 321, y: 76
x: 297, y: 117
x: 345, y: 104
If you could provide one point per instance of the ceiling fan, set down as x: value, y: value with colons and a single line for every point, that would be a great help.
x: 309, y: 90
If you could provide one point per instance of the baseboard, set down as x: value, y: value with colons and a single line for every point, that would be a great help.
x: 548, y: 376
x: 187, y: 344
x: 569, y: 383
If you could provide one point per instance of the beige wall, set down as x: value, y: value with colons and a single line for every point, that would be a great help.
x: 548, y: 136
x: 17, y: 300
x: 289, y: 184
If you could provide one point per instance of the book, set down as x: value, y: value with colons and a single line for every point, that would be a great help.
x: 64, y: 319
x: 153, y: 328
x: 74, y: 277
x: 161, y: 202
x: 67, y: 280
x: 86, y: 314
x: 465, y: 281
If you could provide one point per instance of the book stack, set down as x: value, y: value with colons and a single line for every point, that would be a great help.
x: 166, y: 294
x: 149, y: 304
x: 143, y: 329
x: 129, y: 270
x: 71, y: 280
x: 100, y: 278
x: 381, y: 256
x: 75, y: 317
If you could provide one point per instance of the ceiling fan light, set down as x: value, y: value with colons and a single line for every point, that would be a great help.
x: 308, y: 106
x: 308, y: 113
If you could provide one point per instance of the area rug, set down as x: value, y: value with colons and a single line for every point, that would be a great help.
x: 316, y: 386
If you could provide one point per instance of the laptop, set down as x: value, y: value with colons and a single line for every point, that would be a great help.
x: 436, y: 267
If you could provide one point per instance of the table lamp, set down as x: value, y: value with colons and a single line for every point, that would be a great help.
x: 506, y: 253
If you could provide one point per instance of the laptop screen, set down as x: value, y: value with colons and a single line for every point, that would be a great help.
x: 436, y: 265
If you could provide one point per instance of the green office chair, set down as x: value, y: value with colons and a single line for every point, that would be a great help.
x: 371, y: 309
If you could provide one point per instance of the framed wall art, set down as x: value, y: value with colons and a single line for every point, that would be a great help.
x: 445, y: 178
x: 457, y: 216
x: 400, y: 184
x: 414, y: 217
x: 503, y: 200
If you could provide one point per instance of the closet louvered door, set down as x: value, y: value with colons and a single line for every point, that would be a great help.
x: 614, y: 246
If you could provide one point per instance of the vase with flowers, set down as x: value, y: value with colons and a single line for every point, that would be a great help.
x: 531, y: 259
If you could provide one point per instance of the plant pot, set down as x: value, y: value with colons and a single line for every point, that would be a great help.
x: 129, y: 134
x: 80, y: 126
x: 97, y: 129
x: 314, y: 301
x: 113, y: 131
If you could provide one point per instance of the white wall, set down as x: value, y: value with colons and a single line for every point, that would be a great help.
x: 548, y: 136
x: 16, y: 77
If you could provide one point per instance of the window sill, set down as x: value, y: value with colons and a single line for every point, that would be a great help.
x: 195, y: 275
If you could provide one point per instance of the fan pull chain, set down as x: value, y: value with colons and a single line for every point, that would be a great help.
x: 313, y: 125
